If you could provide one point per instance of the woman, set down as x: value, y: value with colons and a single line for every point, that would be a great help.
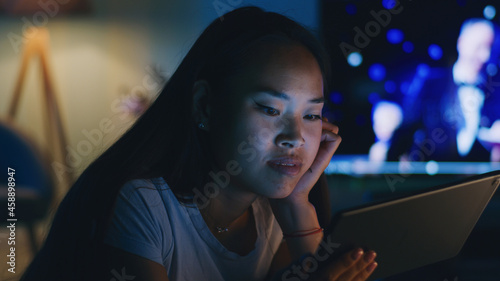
x: 212, y: 176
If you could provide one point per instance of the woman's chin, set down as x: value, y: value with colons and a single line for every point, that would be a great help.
x: 281, y: 192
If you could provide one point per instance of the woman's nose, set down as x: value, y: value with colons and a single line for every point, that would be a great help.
x: 290, y: 136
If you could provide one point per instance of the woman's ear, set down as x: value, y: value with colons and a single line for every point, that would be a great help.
x: 201, y: 104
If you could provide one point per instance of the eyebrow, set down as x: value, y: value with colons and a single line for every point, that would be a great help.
x: 284, y: 96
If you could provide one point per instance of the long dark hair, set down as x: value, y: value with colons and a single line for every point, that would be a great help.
x: 164, y: 141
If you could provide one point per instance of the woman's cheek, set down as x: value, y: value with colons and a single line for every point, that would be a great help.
x: 314, y: 141
x: 259, y: 133
x: 315, y: 133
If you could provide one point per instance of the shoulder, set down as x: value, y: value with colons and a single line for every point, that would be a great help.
x: 146, y: 191
x: 140, y: 223
x: 143, y: 202
x: 132, y: 186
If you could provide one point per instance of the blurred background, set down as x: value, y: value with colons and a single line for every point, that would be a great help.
x: 74, y: 75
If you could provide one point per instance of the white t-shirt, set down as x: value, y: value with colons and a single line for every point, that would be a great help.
x: 150, y: 222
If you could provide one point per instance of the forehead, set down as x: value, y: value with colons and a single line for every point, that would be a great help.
x: 288, y: 69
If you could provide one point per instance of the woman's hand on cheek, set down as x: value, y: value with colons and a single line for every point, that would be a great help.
x: 295, y: 213
x: 330, y: 141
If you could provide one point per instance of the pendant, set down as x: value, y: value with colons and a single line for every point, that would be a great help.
x: 221, y: 229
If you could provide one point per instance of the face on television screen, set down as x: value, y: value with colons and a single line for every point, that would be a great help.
x: 415, y: 82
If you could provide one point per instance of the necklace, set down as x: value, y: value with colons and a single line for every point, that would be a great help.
x: 210, y: 220
x: 221, y: 229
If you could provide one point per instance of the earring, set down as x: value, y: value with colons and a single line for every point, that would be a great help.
x: 201, y: 125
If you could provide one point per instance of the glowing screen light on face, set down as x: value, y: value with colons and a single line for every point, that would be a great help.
x: 435, y: 52
x: 395, y: 36
x: 354, y: 59
x: 376, y: 72
x: 489, y: 12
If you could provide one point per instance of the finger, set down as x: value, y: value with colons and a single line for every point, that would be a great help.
x: 325, y: 153
x: 364, y: 274
x: 329, y: 144
x: 330, y: 127
x: 344, y: 263
x: 359, y: 271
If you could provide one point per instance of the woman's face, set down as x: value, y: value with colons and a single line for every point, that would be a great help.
x: 269, y: 121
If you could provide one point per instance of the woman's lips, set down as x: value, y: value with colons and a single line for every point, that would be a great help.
x: 286, y: 165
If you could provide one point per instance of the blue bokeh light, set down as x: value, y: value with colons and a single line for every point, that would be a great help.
x: 432, y: 168
x: 354, y: 59
x: 405, y: 86
x: 435, y: 52
x: 376, y: 72
x: 390, y: 87
x: 408, y: 47
x: 423, y: 70
x: 389, y: 4
x: 491, y: 69
x: 419, y: 136
x: 351, y: 9
x: 336, y: 97
x: 395, y: 36
x: 373, y: 98
x: 489, y: 12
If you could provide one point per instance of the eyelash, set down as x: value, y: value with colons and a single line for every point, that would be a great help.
x: 275, y: 112
x: 267, y: 109
x: 314, y: 117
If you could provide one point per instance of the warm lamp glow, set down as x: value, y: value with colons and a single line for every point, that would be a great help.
x: 37, y: 47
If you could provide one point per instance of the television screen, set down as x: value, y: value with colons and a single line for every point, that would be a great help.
x: 415, y: 85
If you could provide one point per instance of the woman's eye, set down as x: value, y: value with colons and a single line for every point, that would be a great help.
x: 269, y: 110
x: 312, y: 117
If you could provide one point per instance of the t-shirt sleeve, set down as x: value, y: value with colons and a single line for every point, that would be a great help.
x: 140, y: 224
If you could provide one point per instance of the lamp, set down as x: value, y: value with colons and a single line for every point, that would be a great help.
x: 36, y: 46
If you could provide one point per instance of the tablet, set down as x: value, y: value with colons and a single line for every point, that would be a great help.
x: 415, y: 230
